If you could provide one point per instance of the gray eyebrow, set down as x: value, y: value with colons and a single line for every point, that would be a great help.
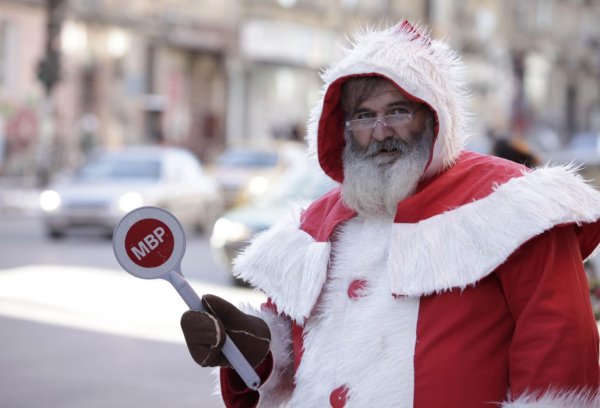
x: 401, y: 103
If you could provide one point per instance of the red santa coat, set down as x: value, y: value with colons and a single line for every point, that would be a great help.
x: 485, y: 265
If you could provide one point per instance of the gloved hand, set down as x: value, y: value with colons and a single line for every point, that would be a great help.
x: 205, y: 333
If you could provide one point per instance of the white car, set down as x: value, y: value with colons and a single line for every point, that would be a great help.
x: 242, y: 172
x: 113, y: 183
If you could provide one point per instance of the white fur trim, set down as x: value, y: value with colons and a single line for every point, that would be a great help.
x: 288, y: 265
x: 434, y: 74
x: 278, y: 388
x: 459, y: 247
x: 556, y: 399
x: 367, y: 343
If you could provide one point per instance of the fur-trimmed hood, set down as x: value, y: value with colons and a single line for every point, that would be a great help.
x: 425, y: 70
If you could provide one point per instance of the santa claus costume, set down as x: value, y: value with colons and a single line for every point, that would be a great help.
x: 474, y: 295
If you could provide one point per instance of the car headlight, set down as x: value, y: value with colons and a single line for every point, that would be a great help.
x: 258, y: 185
x: 50, y: 200
x: 228, y: 231
x: 130, y: 201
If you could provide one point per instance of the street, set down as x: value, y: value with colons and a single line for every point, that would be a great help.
x: 77, y: 331
x: 50, y: 366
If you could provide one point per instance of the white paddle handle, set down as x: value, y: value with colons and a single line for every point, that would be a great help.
x: 230, y: 350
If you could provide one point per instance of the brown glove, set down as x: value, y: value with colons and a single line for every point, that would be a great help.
x: 205, y: 333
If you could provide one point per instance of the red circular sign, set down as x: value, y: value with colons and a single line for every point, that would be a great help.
x: 149, y: 243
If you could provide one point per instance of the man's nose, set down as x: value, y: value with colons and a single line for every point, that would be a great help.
x: 381, y: 131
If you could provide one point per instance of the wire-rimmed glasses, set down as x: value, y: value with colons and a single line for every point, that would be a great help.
x: 368, y: 124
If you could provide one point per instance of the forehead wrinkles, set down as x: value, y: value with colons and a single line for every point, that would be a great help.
x: 356, y: 90
x: 384, y: 99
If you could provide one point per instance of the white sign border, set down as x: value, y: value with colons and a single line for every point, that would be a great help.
x: 121, y: 232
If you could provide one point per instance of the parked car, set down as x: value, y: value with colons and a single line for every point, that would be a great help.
x: 113, y: 183
x: 297, y: 186
x: 243, y: 172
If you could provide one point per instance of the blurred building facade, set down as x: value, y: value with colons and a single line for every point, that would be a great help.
x: 21, y: 43
x: 206, y: 74
x: 535, y: 65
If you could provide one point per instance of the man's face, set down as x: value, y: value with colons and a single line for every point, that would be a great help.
x: 399, y: 135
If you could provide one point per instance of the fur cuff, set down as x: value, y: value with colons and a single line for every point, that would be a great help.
x: 556, y: 399
x: 288, y: 265
x: 278, y: 388
x: 459, y: 247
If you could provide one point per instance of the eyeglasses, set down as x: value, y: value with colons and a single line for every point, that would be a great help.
x: 368, y: 124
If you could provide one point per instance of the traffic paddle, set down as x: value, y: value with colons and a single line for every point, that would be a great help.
x: 149, y: 243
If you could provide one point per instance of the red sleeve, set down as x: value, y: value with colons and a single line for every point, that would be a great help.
x: 555, y: 342
x: 234, y: 391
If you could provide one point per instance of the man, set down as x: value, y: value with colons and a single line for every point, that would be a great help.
x: 432, y: 276
x: 516, y: 150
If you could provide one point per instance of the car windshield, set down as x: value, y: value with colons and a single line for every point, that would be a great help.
x: 116, y: 168
x: 299, y: 184
x: 247, y: 158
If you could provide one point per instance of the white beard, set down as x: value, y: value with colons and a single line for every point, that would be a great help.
x: 373, y: 187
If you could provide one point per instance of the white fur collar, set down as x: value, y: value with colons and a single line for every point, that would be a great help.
x: 288, y: 265
x: 451, y: 250
x: 459, y: 247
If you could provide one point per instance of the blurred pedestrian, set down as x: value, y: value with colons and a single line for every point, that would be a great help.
x: 516, y: 150
x: 431, y: 276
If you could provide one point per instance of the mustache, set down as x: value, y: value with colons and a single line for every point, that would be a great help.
x: 391, y: 144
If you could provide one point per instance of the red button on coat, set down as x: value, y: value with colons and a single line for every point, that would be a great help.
x: 356, y: 287
x: 337, y: 399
